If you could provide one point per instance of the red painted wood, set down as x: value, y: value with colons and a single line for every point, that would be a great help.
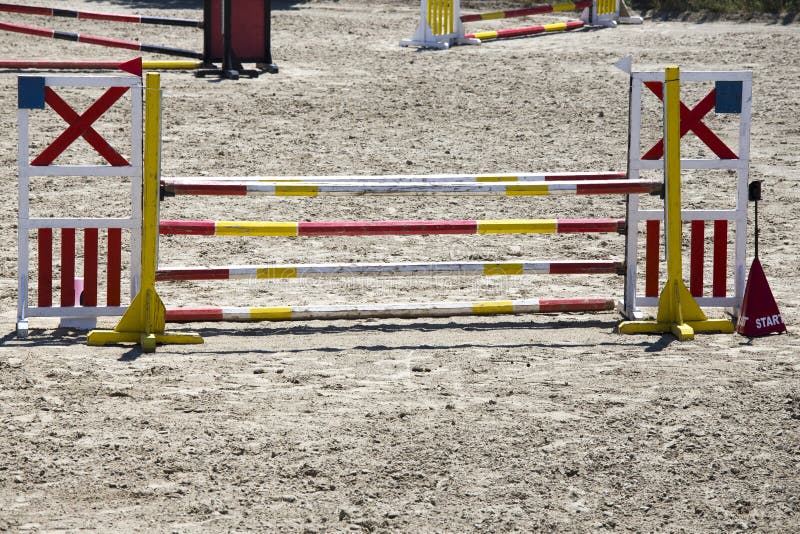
x: 169, y: 227
x: 107, y: 41
x: 696, y: 258
x: 44, y: 64
x: 110, y: 17
x: 720, y: 270
x: 653, y: 237
x: 211, y: 188
x: 67, y: 267
x: 249, y: 39
x: 193, y: 314
x: 193, y: 274
x: 114, y: 269
x: 587, y: 267
x: 524, y: 12
x: 571, y: 226
x: 575, y: 305
x: 354, y: 228
x: 615, y: 175
x: 26, y: 30
x: 90, y: 134
x: 691, y: 120
x: 26, y: 10
x: 45, y: 268
x: 78, y: 126
x: 90, y: 258
x: 616, y: 188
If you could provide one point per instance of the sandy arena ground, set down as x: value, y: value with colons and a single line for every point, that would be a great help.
x: 551, y: 423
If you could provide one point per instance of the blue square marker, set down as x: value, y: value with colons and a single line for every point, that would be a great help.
x: 30, y: 92
x: 728, y: 97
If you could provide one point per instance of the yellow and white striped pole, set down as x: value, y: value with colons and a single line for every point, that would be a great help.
x: 144, y: 321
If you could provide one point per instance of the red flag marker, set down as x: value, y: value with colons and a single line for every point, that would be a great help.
x: 759, y: 315
x: 133, y: 66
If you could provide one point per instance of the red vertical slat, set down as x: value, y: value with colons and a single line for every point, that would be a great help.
x: 45, y: 269
x: 89, y: 267
x: 114, y: 266
x: 653, y: 230
x: 697, y: 259
x: 67, y: 267
x: 719, y: 285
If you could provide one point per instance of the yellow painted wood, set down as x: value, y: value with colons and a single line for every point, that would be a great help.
x: 271, y: 314
x: 296, y: 190
x: 569, y: 6
x: 518, y: 226
x: 502, y: 269
x: 277, y: 272
x: 556, y: 27
x: 257, y: 228
x: 518, y: 190
x: 171, y: 65
x: 486, y: 36
x: 492, y: 307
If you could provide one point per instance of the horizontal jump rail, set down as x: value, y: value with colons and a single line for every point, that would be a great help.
x: 423, y: 178
x: 378, y: 269
x: 529, y: 30
x: 96, y: 40
x: 367, y: 228
x: 20, y: 64
x: 598, y: 187
x: 380, y: 311
x: 94, y: 15
x: 524, y: 12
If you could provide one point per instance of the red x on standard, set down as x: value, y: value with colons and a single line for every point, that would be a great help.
x: 692, y: 120
x: 81, y: 126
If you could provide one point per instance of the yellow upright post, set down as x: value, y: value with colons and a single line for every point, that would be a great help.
x: 144, y: 321
x: 678, y: 312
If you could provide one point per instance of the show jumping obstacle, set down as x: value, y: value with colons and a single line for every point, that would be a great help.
x: 442, y: 25
x: 678, y: 311
x: 731, y: 95
x: 145, y: 318
x: 231, y: 36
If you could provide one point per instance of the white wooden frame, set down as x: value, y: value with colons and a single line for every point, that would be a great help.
x: 78, y: 315
x: 738, y: 215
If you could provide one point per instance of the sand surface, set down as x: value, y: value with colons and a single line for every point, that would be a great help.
x: 520, y: 423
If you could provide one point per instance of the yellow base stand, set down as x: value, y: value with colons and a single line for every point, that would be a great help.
x: 678, y: 314
x: 143, y: 324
